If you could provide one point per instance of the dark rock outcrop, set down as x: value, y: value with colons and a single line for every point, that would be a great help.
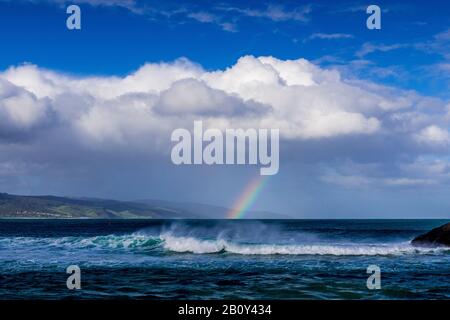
x: 439, y: 236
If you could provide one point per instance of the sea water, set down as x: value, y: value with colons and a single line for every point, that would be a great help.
x: 220, y: 259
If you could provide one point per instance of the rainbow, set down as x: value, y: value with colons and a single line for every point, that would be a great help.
x: 247, y: 197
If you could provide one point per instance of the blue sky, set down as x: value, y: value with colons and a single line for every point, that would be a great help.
x: 116, y: 39
x: 378, y: 147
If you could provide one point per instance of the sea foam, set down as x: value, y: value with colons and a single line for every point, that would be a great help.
x: 198, y: 246
x: 171, y: 242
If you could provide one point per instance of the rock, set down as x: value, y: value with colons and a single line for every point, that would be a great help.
x: 439, y: 236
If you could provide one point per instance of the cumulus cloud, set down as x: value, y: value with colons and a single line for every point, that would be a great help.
x: 433, y: 135
x: 297, y: 97
x: 20, y: 111
x: 79, y: 119
x: 190, y: 96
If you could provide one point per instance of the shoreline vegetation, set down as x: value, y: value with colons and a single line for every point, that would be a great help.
x: 54, y: 207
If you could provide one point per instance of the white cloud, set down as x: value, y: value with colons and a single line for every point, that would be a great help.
x: 131, y: 5
x: 274, y: 12
x: 20, y: 110
x: 296, y: 96
x: 207, y: 17
x: 223, y: 15
x: 357, y: 179
x: 190, y: 96
x: 135, y: 114
x: 204, y: 17
x: 330, y: 36
x: 52, y: 120
x: 443, y: 36
x: 401, y: 182
x: 433, y: 135
x: 368, y: 48
x: 347, y: 181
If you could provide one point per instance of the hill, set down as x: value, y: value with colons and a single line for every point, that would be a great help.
x: 17, y: 206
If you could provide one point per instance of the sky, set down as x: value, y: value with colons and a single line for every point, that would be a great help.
x: 363, y: 114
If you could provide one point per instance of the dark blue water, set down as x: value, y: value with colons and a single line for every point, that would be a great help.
x: 239, y: 259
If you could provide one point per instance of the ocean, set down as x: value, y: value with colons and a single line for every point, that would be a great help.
x: 220, y: 259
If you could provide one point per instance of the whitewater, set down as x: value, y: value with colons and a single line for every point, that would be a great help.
x: 203, y: 259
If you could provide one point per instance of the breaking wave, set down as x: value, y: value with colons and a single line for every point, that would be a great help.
x: 194, y: 245
x: 131, y: 241
x: 169, y: 242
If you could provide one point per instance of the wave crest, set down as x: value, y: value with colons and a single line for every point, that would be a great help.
x: 197, y: 246
x: 170, y: 242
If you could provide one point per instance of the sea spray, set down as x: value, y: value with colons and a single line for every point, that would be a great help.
x: 216, y: 259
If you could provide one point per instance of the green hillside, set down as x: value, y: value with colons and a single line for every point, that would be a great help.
x: 14, y: 206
